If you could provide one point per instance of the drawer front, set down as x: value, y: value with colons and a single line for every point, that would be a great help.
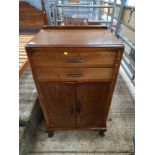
x: 66, y: 58
x: 74, y: 74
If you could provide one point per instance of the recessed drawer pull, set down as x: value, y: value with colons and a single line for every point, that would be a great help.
x: 74, y: 75
x: 74, y: 60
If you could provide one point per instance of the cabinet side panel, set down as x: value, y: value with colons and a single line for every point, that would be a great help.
x: 33, y: 69
x: 114, y: 79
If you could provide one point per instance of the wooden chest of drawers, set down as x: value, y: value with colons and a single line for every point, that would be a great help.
x: 75, y: 70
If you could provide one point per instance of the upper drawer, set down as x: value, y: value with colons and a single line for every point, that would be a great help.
x: 73, y: 58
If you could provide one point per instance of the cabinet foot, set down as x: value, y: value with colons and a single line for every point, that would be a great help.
x: 50, y: 134
x: 101, y: 133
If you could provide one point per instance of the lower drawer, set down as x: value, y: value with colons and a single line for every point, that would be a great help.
x: 74, y: 74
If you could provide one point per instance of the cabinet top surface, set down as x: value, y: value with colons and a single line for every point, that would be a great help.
x: 74, y: 36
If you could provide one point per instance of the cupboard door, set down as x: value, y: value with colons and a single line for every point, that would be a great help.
x: 59, y: 103
x: 90, y: 104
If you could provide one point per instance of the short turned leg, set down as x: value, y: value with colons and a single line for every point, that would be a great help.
x: 50, y: 134
x: 102, y: 132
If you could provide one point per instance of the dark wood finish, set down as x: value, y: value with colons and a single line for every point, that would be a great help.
x: 59, y: 101
x: 74, y: 74
x: 91, y: 98
x: 113, y: 82
x: 76, y: 21
x: 84, y: 27
x: 64, y: 36
x: 76, y: 87
x: 73, y: 57
x: 94, y: 23
x: 30, y: 19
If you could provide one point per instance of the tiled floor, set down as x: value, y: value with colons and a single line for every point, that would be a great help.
x: 117, y: 140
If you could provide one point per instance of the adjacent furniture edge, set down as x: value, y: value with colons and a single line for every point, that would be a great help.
x: 75, y: 27
x: 23, y: 67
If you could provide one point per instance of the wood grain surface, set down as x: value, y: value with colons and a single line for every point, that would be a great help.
x: 75, y: 70
x: 91, y: 99
x: 74, y: 74
x: 77, y: 37
x: 73, y: 58
x: 59, y: 101
x: 30, y: 18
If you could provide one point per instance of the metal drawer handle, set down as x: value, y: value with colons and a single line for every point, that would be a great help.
x: 74, y: 60
x: 72, y: 75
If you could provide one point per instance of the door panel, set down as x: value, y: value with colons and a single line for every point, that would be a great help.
x: 90, y: 100
x: 59, y: 103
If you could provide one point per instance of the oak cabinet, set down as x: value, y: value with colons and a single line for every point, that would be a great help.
x: 75, y: 70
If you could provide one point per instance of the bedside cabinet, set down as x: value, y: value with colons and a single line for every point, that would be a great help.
x: 75, y: 70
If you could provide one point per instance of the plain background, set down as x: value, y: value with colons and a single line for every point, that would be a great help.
x: 145, y: 77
